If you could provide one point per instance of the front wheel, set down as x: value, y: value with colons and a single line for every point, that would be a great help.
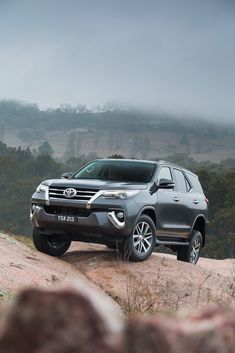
x: 51, y: 244
x: 140, y: 244
x: 191, y: 253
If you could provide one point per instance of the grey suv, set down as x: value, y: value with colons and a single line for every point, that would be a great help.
x: 131, y: 205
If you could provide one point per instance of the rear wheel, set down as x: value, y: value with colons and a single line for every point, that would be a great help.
x: 51, y: 244
x: 140, y: 244
x: 191, y: 253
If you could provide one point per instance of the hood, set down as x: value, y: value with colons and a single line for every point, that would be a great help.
x: 95, y: 184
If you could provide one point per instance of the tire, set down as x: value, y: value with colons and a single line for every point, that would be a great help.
x: 140, y: 244
x: 51, y: 244
x: 191, y: 253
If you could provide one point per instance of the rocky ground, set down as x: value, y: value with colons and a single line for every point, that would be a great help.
x: 160, y: 283
x: 21, y: 266
x: 79, y: 319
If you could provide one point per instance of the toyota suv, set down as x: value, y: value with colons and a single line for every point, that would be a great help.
x: 130, y: 205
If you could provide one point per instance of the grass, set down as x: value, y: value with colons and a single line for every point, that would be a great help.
x: 6, y: 295
x: 144, y: 297
x: 25, y: 240
x: 22, y: 238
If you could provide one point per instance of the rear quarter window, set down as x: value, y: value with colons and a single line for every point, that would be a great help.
x: 180, y: 180
x: 195, y: 182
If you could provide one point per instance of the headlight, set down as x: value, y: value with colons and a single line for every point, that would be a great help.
x: 119, y: 194
x: 42, y: 189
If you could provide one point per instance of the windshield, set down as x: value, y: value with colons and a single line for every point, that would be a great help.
x: 122, y: 171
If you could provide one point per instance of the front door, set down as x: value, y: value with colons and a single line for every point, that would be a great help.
x: 172, y: 210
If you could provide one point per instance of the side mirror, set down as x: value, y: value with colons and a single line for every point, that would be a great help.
x: 66, y: 175
x: 163, y: 184
x: 153, y: 188
x: 166, y: 184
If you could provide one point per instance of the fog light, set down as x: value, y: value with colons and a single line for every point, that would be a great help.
x: 120, y: 215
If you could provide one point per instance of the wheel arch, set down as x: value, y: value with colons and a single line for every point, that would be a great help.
x: 200, y: 225
x: 149, y: 211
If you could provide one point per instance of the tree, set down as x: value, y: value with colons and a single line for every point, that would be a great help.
x: 116, y: 156
x: 45, y: 148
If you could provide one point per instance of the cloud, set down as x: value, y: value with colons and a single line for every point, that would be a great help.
x: 177, y: 56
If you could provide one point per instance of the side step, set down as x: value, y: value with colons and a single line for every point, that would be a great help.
x: 171, y: 242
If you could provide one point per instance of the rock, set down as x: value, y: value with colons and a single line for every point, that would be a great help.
x: 61, y: 321
x: 79, y: 319
x: 212, y: 331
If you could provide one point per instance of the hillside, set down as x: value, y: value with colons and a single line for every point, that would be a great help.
x: 160, y: 283
x: 21, y: 266
x: 74, y: 131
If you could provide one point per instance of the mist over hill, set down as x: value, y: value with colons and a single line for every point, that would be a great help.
x: 75, y: 130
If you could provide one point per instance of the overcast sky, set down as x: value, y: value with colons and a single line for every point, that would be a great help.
x: 170, y: 55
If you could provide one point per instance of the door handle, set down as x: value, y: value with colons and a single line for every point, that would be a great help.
x: 176, y: 199
x: 195, y: 201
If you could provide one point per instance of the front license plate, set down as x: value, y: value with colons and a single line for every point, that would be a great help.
x: 67, y: 219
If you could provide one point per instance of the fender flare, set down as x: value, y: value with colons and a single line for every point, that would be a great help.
x: 147, y: 208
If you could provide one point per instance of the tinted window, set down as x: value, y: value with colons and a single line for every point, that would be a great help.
x: 188, y: 186
x: 123, y: 171
x: 165, y: 173
x: 195, y: 182
x: 180, y: 180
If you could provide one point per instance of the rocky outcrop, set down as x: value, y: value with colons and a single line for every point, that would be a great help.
x: 71, y: 319
x: 212, y: 331
x: 78, y: 319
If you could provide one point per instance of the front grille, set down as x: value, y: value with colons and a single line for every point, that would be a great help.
x: 67, y: 211
x: 81, y: 194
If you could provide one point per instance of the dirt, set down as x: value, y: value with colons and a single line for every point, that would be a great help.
x: 169, y: 283
x: 160, y: 283
x: 22, y: 266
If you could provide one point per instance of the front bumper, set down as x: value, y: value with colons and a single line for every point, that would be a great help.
x: 99, y: 222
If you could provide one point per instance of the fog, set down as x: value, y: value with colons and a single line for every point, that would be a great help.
x: 175, y: 56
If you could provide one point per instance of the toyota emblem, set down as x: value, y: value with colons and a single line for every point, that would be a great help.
x: 70, y: 193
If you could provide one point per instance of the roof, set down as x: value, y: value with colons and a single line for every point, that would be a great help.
x: 159, y: 162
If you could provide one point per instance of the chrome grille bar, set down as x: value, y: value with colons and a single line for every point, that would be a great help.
x: 83, y: 195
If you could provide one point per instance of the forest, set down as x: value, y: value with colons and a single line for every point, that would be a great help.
x: 21, y: 172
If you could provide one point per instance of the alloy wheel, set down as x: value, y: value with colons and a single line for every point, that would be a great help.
x: 195, y: 252
x: 142, y: 237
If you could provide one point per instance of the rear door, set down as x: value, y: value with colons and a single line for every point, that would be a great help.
x: 197, y: 198
x: 183, y: 206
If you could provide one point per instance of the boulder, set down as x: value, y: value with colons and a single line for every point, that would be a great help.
x: 60, y: 321
x: 79, y: 319
x: 212, y: 331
